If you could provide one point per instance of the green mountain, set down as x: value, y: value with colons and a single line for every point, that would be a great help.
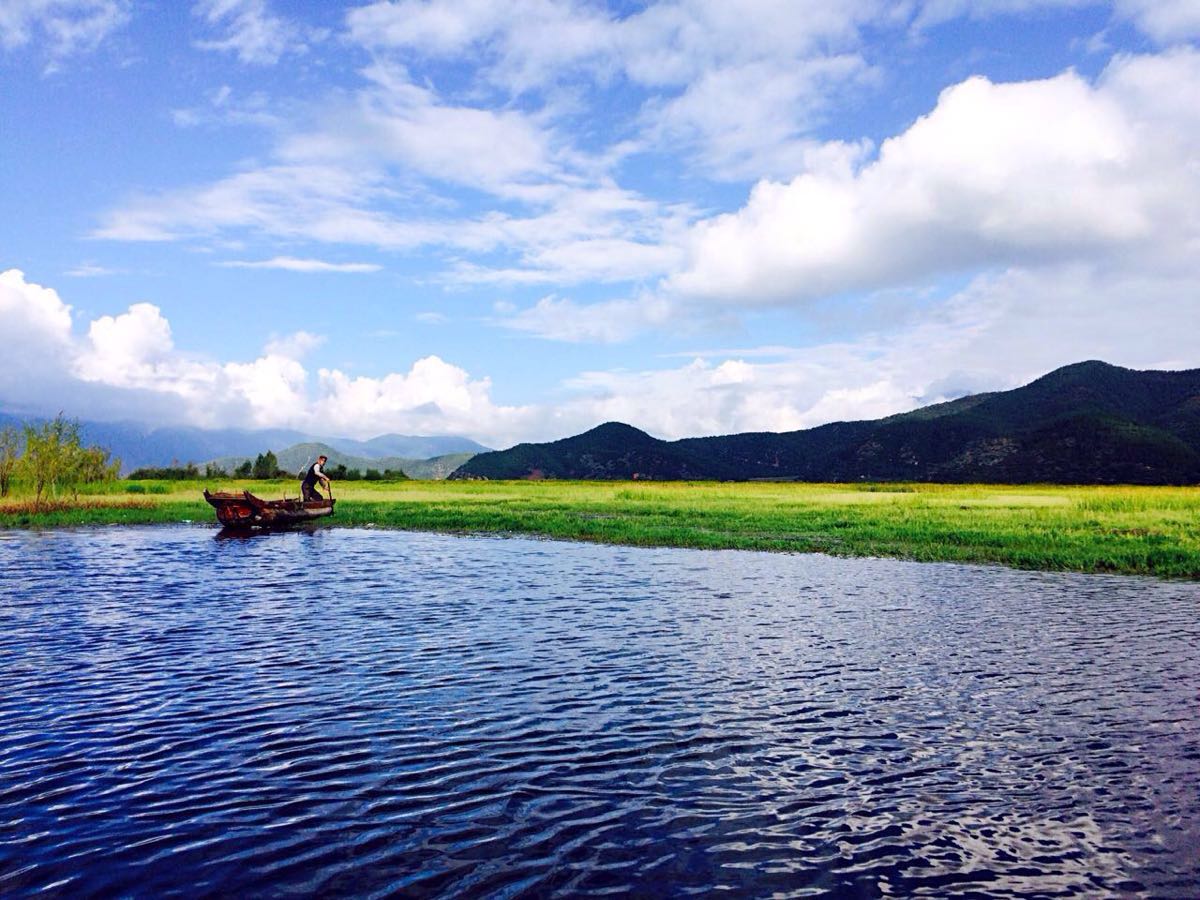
x: 299, y: 457
x: 1089, y: 423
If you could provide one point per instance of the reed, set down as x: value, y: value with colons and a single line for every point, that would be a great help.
x: 1142, y: 530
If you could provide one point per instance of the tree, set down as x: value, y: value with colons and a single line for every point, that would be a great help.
x: 245, y: 470
x: 10, y: 454
x: 52, y: 454
x: 265, y: 465
x: 91, y: 465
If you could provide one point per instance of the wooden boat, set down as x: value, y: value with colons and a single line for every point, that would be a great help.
x: 241, y: 509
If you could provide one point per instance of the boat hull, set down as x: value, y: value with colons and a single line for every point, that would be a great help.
x: 241, y: 509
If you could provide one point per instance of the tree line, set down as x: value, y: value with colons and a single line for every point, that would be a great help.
x: 264, y: 467
x: 52, y: 459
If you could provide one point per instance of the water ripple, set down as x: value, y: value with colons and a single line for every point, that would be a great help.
x: 379, y: 714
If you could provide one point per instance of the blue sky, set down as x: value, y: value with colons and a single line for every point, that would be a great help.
x: 515, y: 221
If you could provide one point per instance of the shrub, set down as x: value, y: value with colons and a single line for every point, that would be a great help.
x: 166, y: 473
x: 10, y: 454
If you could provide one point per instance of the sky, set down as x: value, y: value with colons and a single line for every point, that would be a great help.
x: 516, y: 220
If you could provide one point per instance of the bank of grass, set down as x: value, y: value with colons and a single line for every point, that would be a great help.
x: 1143, y: 530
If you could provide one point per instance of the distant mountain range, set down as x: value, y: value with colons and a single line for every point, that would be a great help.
x: 138, y: 445
x: 301, y: 456
x: 1088, y: 423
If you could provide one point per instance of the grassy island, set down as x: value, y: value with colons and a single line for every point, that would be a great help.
x: 1142, y: 530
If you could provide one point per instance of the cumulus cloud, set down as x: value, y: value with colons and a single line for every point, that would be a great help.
x: 126, y: 349
x: 997, y: 174
x: 128, y: 366
x: 37, y: 325
x: 433, y: 397
x: 365, y: 166
x: 988, y: 336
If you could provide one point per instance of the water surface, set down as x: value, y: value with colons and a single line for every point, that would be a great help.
x: 385, y: 713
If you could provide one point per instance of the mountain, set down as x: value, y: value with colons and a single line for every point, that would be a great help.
x: 299, y: 457
x: 407, y: 446
x: 1088, y: 423
x: 609, y: 451
x: 138, y: 445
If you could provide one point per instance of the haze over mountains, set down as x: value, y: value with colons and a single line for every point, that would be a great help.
x: 1088, y: 423
x: 298, y: 457
x: 138, y: 445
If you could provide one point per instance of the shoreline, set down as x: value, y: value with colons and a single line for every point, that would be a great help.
x: 1101, y: 530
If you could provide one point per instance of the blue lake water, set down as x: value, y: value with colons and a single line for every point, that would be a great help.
x: 372, y: 713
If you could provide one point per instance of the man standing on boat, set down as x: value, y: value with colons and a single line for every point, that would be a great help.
x: 315, y: 473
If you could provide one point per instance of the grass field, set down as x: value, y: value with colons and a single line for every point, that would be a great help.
x: 1142, y: 530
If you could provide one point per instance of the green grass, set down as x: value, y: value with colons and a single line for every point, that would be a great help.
x: 1142, y: 530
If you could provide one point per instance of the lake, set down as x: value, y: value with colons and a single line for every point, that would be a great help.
x: 373, y: 713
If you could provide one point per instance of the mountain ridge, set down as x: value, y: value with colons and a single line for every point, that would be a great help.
x: 139, y: 445
x: 1086, y: 423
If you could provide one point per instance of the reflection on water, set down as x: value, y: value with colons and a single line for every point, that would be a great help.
x: 358, y: 712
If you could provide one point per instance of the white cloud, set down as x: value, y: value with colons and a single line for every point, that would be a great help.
x: 224, y: 107
x: 432, y: 397
x: 441, y: 28
x: 37, y: 324
x: 321, y: 203
x: 61, y: 27
x: 740, y: 83
x: 396, y: 122
x: 608, y: 322
x: 364, y: 172
x: 996, y: 174
x: 752, y: 120
x: 1164, y: 20
x: 937, y: 12
x: 597, y: 259
x: 529, y: 42
x: 292, y: 264
x: 126, y: 349
x: 90, y: 270
x: 293, y: 346
x: 128, y: 366
x: 250, y: 30
x: 991, y: 336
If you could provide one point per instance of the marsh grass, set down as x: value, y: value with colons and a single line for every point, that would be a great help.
x: 1146, y: 530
